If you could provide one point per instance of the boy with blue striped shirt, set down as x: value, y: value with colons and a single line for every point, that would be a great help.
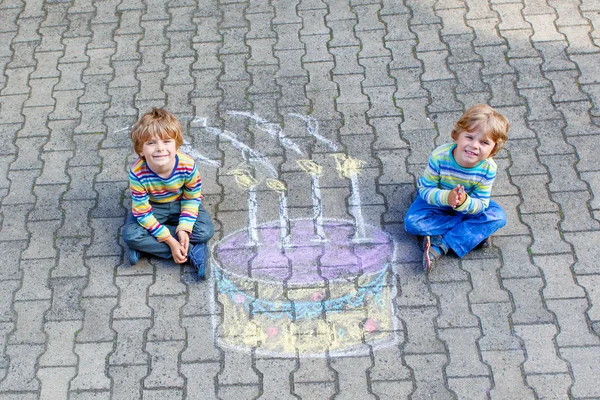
x: 167, y: 219
x: 453, y: 209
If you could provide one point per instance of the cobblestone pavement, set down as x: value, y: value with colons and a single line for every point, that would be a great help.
x: 310, y: 121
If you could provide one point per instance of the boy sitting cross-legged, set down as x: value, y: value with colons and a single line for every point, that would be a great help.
x: 167, y: 218
x: 453, y: 209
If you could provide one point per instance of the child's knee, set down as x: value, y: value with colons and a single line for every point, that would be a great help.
x: 411, y: 223
x: 203, y: 233
x: 132, y: 234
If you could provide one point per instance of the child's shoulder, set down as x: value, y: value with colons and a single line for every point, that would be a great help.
x: 185, y: 162
x: 444, y: 148
x: 442, y: 152
x: 185, y: 158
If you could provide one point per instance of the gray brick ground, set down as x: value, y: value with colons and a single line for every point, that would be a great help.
x: 385, y: 81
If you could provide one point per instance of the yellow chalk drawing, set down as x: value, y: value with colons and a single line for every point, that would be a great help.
x: 244, y: 178
x: 276, y: 185
x: 310, y: 167
x: 344, y: 330
x: 347, y: 166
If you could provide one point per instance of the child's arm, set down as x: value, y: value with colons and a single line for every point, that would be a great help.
x: 142, y: 210
x: 190, y: 199
x: 428, y: 185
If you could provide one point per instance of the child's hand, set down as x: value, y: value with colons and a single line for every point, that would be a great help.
x: 457, y: 196
x: 177, y: 251
x: 184, y: 240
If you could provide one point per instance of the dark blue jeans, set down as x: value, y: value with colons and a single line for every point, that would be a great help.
x: 462, y: 232
x: 138, y: 238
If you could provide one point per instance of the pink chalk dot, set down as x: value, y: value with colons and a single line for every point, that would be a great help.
x: 238, y: 298
x: 317, y: 296
x: 371, y: 325
x: 272, y: 331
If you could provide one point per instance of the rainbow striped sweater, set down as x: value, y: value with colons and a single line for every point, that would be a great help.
x: 183, y: 185
x: 443, y: 174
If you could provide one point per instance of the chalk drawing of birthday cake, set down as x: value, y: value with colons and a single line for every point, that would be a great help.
x: 308, y: 294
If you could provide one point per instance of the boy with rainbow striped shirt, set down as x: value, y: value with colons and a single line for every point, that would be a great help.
x: 167, y: 218
x: 453, y: 209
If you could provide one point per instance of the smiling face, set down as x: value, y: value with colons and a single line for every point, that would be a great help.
x: 160, y: 154
x: 472, y: 148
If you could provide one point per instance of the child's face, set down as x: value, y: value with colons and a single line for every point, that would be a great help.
x: 160, y: 154
x: 472, y: 148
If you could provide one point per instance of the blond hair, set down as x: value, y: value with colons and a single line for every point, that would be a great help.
x: 493, y: 125
x: 158, y: 123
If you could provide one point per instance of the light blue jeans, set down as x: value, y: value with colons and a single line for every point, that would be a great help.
x: 461, y: 232
x: 138, y: 238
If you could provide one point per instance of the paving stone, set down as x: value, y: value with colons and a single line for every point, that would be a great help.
x: 347, y: 371
x: 529, y: 308
x: 455, y: 306
x: 60, y: 339
x: 65, y: 300
x: 583, y: 360
x: 10, y: 251
x: 36, y: 119
x: 558, y: 277
x: 96, y: 320
x: 132, y: 297
x: 41, y: 243
x: 389, y: 366
x: 237, y: 370
x: 470, y: 387
x: 164, y: 370
x: 542, y: 354
x: 127, y: 381
x: 547, y: 239
x: 130, y: 338
x: 551, y: 386
x: 13, y: 223
x: 421, y: 337
x: 200, y: 334
x: 571, y: 317
x: 55, y: 381
x: 70, y: 257
x: 278, y: 373
x: 29, y: 322
x: 166, y: 313
x: 497, y: 333
x: 544, y: 29
x: 91, y: 373
x: 314, y: 390
x: 576, y: 215
x: 8, y: 288
x: 20, y: 376
x: 507, y: 375
x: 35, y: 283
x: 486, y: 285
x: 428, y: 375
x: 463, y: 352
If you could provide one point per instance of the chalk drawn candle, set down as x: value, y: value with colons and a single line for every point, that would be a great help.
x: 245, y: 180
x: 315, y: 171
x: 350, y: 168
x: 284, y: 220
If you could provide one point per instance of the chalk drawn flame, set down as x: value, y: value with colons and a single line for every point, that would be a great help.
x: 310, y: 167
x: 276, y: 185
